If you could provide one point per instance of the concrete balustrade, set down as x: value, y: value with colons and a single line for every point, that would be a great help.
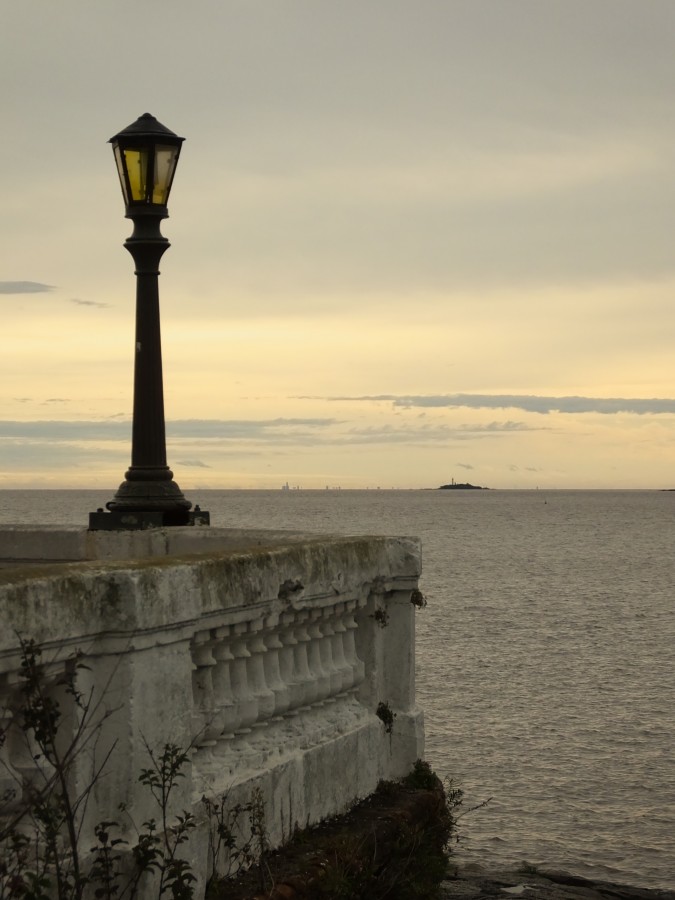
x: 266, y: 653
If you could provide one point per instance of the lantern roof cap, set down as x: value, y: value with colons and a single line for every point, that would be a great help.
x: 147, y: 126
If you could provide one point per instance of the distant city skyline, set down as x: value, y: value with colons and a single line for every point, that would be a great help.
x: 410, y: 242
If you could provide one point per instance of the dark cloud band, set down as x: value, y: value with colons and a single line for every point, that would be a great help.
x: 528, y: 403
x: 24, y: 287
x: 196, y: 429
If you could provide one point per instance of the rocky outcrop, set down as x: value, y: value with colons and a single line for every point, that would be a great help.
x: 392, y: 845
x: 475, y: 883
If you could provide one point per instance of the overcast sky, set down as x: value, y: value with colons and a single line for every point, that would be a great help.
x: 411, y: 241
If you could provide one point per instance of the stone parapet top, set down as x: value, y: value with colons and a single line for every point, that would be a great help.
x: 45, y: 543
x: 58, y: 543
x: 171, y: 580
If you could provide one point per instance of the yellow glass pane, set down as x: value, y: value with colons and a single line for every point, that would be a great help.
x: 165, y: 164
x: 137, y: 170
x: 120, y: 172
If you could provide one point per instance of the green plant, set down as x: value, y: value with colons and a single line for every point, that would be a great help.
x: 105, y: 870
x: 349, y: 871
x: 39, y: 841
x: 42, y: 815
x: 259, y: 835
x: 226, y: 855
x: 386, y: 715
x: 421, y: 777
x: 381, y: 616
x: 238, y: 838
x: 156, y: 849
x: 418, y: 600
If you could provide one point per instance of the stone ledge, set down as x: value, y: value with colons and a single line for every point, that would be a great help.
x: 59, y: 544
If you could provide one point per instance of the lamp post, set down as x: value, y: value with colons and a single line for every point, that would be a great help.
x: 146, y: 154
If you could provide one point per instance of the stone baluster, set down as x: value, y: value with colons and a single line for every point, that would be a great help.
x: 222, y: 683
x: 207, y: 724
x: 288, y: 665
x: 338, y: 640
x: 326, y: 646
x: 320, y: 674
x: 256, y: 670
x: 245, y: 701
x: 272, y: 664
x: 303, y: 671
x: 351, y: 656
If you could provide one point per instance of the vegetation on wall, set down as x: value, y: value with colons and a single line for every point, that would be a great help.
x: 395, y: 844
x: 43, y: 852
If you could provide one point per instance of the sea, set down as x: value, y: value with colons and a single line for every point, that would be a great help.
x: 545, y: 657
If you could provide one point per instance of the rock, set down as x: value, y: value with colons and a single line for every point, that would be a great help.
x: 474, y: 883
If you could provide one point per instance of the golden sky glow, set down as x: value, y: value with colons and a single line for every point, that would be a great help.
x: 378, y: 208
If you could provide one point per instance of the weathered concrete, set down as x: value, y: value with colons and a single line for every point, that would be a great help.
x: 267, y: 653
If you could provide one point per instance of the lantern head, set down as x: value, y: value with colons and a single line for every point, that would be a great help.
x: 146, y: 154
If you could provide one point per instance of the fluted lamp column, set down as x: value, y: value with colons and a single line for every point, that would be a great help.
x: 146, y: 154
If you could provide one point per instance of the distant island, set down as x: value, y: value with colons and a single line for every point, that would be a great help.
x: 461, y: 487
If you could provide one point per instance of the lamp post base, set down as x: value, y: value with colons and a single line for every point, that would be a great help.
x: 147, y: 498
x: 141, y: 520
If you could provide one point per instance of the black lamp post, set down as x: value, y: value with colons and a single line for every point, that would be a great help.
x: 146, y: 154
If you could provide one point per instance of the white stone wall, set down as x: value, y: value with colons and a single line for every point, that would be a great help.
x: 267, y: 654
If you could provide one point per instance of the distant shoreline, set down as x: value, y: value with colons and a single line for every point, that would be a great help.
x: 462, y: 487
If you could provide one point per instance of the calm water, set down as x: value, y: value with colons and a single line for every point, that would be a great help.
x: 546, y: 656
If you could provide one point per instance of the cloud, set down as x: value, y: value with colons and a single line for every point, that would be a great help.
x: 89, y: 303
x: 279, y: 430
x: 64, y: 431
x: 527, y: 402
x: 24, y: 287
x: 242, y: 428
x: 218, y: 438
x: 41, y: 455
x: 428, y: 434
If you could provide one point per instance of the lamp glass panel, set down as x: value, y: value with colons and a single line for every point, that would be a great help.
x: 136, y: 162
x: 120, y: 172
x: 165, y: 166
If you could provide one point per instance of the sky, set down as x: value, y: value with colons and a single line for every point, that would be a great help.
x: 411, y: 241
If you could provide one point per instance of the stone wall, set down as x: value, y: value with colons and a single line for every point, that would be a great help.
x: 267, y: 653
